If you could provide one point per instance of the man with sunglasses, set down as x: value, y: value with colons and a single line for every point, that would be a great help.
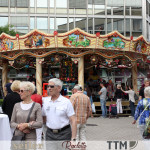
x: 59, y: 114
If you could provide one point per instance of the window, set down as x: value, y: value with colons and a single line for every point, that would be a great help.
x: 52, y: 27
x: 61, y: 25
x: 117, y: 5
x: 51, y: 3
x: 136, y: 27
x: 127, y: 27
x: 61, y: 3
x: 90, y: 25
x: 41, y: 3
x: 3, y: 21
x: 109, y: 26
x: 32, y: 23
x: 61, y: 6
x: 3, y: 3
x: 71, y: 24
x: 77, y: 7
x: 136, y: 11
x: 99, y: 7
x: 77, y: 4
x: 42, y: 23
x: 99, y: 25
x: 32, y: 3
x: 81, y: 23
x: 19, y: 3
x: 19, y: 21
x: 118, y: 24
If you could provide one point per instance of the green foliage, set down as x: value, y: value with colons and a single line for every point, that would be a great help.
x: 8, y: 29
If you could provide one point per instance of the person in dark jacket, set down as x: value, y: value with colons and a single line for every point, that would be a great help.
x: 11, y: 99
x: 118, y: 97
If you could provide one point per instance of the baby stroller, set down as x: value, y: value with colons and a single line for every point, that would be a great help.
x: 113, y: 110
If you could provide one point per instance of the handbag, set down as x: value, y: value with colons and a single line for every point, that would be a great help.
x: 146, y: 133
x: 136, y: 97
x: 93, y: 108
x: 22, y: 137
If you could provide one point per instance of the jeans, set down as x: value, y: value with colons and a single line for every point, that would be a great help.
x: 119, y: 106
x: 103, y: 107
x: 91, y: 100
x: 132, y: 107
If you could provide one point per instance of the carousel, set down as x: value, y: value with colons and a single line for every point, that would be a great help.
x: 72, y: 53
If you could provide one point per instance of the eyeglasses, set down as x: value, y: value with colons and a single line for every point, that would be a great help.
x: 21, y: 91
x: 51, y: 86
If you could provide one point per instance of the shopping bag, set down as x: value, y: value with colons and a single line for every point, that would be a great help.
x: 136, y: 97
x: 146, y: 133
x: 93, y: 108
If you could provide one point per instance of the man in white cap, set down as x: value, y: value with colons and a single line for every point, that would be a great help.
x: 82, y: 107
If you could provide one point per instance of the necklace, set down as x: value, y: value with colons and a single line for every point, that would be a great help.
x: 28, y: 102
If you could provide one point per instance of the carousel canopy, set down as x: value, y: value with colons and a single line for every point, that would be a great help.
x: 75, y: 43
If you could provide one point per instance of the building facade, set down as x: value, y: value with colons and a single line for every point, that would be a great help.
x: 129, y: 17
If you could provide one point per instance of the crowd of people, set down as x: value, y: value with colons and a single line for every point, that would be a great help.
x: 65, y: 118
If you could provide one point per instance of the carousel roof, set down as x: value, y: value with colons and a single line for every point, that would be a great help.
x: 75, y: 43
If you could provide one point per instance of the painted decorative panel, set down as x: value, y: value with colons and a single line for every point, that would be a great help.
x: 6, y: 44
x: 76, y: 40
x: 140, y: 46
x: 114, y: 42
x: 36, y: 40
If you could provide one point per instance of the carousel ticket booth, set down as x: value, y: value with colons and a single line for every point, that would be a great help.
x: 74, y: 57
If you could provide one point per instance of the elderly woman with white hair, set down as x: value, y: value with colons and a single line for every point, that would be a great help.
x: 21, y: 111
x: 118, y: 96
x: 140, y: 113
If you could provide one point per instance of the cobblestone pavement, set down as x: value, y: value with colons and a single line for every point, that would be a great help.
x: 100, y: 129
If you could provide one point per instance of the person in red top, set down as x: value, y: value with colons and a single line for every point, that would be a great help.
x: 38, y: 99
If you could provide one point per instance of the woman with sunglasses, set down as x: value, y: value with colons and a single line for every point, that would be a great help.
x: 21, y: 111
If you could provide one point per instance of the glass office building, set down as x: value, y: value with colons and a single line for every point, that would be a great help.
x: 129, y: 17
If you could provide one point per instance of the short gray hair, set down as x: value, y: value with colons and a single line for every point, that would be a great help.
x: 78, y: 87
x: 147, y: 91
x: 56, y: 81
x: 118, y: 86
x: 28, y: 86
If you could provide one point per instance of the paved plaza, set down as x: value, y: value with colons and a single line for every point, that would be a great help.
x: 100, y: 129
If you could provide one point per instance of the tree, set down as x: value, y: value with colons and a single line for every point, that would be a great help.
x: 8, y: 29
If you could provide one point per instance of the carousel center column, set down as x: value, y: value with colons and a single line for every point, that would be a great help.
x: 81, y: 71
x: 134, y: 75
x: 4, y: 75
x: 39, y: 76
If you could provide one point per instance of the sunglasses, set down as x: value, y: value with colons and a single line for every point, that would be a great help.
x: 21, y: 91
x: 51, y: 86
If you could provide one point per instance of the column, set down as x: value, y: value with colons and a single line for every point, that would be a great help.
x: 4, y: 75
x: 134, y: 75
x: 81, y: 71
x: 39, y: 76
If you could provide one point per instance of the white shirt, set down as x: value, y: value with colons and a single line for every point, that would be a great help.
x: 131, y: 95
x: 26, y: 106
x: 57, y: 112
